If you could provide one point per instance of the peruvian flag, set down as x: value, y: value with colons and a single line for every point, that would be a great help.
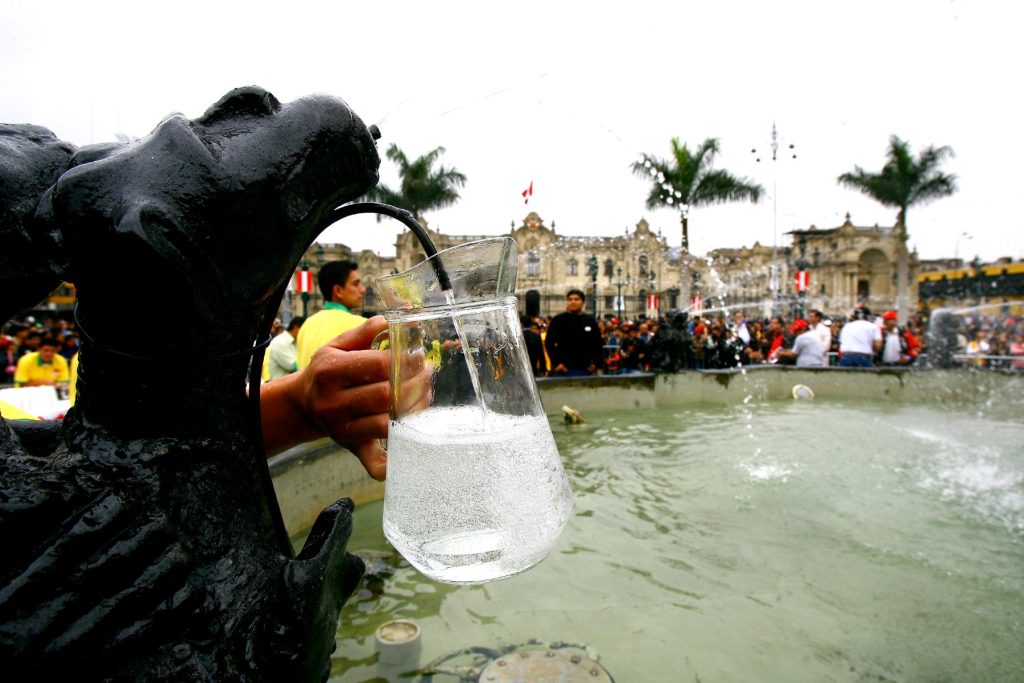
x: 527, y: 193
x: 652, y: 302
x: 304, y: 281
x: 803, y: 280
x: 697, y: 303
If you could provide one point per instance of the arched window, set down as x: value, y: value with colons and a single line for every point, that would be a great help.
x: 533, y: 264
x: 572, y: 267
x: 643, y: 265
x: 609, y: 268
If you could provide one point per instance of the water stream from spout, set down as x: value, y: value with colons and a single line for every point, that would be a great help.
x: 467, y: 353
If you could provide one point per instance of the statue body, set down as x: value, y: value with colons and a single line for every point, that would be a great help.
x: 142, y: 537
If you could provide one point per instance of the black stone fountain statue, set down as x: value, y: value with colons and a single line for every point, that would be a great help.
x: 141, y: 536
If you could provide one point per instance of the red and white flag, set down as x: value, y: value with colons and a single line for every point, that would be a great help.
x: 527, y: 193
x: 697, y: 304
x: 803, y: 280
x: 652, y: 302
x: 304, y: 281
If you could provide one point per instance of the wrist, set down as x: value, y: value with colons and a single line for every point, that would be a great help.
x: 286, y: 421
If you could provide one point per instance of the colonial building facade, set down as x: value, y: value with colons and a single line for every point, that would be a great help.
x: 637, y: 275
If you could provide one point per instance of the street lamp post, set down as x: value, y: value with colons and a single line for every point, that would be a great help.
x: 802, y: 265
x: 653, y: 284
x: 620, y: 284
x: 956, y: 247
x: 320, y: 258
x: 592, y: 271
x: 774, y: 280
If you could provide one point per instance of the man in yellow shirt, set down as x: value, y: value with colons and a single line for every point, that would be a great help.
x: 44, y: 367
x: 343, y: 291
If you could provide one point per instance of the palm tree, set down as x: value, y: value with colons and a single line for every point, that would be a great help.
x: 423, y: 187
x: 904, y: 181
x: 687, y: 181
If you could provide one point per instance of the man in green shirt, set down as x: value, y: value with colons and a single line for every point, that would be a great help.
x: 343, y: 291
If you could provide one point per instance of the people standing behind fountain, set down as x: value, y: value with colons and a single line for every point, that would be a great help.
x: 574, y: 341
x: 740, y: 328
x: 629, y: 355
x: 999, y: 343
x: 754, y: 353
x: 343, y: 290
x: 745, y: 331
x: 1017, y: 351
x: 822, y: 329
x: 534, y: 346
x: 29, y: 341
x: 859, y: 340
x: 724, y: 349
x: 23, y: 337
x: 979, y: 347
x: 899, y: 347
x: 282, y: 352
x: 807, y: 351
x: 44, y: 367
x: 671, y: 347
x: 8, y: 359
x: 776, y: 339
x: 698, y: 342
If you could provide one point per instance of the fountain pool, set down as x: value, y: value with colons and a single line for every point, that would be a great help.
x: 764, y: 541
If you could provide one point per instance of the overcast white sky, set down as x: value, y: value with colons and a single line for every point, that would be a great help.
x: 568, y: 96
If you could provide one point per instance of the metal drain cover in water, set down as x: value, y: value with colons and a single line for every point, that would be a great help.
x: 544, y: 666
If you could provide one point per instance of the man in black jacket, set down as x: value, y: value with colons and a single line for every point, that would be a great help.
x: 574, y: 342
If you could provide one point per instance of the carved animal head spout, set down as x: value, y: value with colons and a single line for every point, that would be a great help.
x: 200, y: 222
x: 140, y: 540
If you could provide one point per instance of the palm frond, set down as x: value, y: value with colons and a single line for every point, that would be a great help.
x: 904, y: 180
x: 422, y: 186
x: 719, y: 187
x: 687, y: 179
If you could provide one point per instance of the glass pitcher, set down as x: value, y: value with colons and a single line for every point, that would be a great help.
x: 475, y: 488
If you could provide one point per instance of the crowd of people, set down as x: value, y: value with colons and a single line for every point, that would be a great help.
x: 38, y: 352
x: 988, y: 339
x: 575, y: 343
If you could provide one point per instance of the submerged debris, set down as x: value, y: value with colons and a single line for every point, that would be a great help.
x: 572, y: 416
x: 802, y: 392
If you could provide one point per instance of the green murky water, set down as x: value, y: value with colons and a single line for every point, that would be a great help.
x: 798, y: 541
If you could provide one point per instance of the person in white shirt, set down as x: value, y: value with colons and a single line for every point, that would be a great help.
x: 740, y: 329
x: 822, y: 331
x: 806, y: 348
x: 859, y: 340
x: 898, y: 347
x: 282, y: 351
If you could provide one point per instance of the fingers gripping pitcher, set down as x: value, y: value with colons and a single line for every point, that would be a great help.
x: 475, y: 489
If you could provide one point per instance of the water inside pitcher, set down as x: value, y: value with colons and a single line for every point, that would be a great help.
x: 475, y: 488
